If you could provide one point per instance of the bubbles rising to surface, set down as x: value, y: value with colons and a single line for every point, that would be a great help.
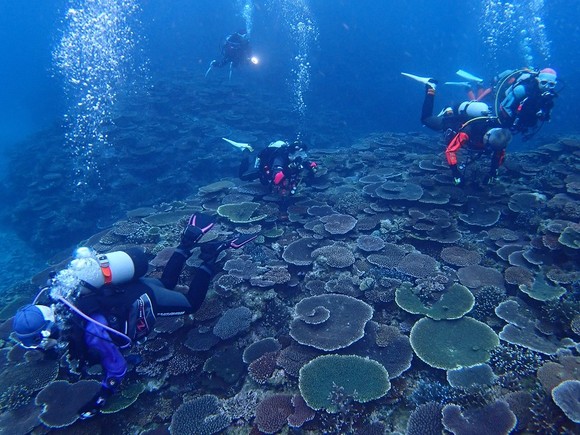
x: 95, y: 58
x: 246, y: 9
x: 297, y: 18
x: 517, y: 24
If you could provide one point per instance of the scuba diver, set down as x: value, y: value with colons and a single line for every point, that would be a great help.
x: 236, y: 51
x: 469, y: 125
x: 481, y: 135
x: 101, y: 304
x: 280, y: 165
x: 528, y: 98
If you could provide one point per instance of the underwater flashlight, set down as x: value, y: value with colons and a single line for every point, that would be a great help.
x: 254, y: 60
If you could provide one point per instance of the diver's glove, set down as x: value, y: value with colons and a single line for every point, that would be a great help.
x: 543, y: 115
x: 94, y: 406
x: 456, y: 175
x: 491, y: 178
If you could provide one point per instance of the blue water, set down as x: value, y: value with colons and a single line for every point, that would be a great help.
x: 354, y: 68
x: 354, y: 63
x: 330, y: 69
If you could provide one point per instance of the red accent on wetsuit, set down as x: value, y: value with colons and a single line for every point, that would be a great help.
x: 482, y: 93
x: 499, y: 156
x: 455, y: 145
x: 278, y: 177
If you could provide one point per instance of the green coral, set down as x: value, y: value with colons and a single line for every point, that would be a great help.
x: 169, y: 218
x: 570, y: 237
x: 216, y: 187
x: 240, y: 213
x: 124, y: 398
x: 361, y: 378
x: 540, y: 290
x: 453, y: 304
x: 451, y: 344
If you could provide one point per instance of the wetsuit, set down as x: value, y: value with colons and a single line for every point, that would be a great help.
x: 131, y: 309
x: 525, y: 104
x: 471, y: 135
x: 235, y: 51
x: 449, y: 119
x: 274, y: 167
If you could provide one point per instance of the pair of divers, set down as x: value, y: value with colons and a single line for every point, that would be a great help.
x: 522, y: 102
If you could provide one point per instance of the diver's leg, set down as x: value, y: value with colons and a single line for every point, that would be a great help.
x: 173, y: 268
x: 244, y: 166
x: 171, y: 302
x: 199, y: 286
x: 427, y: 118
x: 245, y: 173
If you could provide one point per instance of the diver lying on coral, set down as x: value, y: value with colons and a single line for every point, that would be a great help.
x: 101, y: 304
x: 281, y: 165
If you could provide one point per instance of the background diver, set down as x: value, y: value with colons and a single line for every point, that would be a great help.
x: 528, y: 99
x: 101, y: 304
x: 236, y: 51
x: 468, y: 125
x: 524, y: 98
x: 281, y: 165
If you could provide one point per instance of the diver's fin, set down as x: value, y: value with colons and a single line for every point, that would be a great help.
x: 202, y: 221
x: 197, y: 225
x: 210, y: 251
x: 240, y: 145
x: 241, y: 240
x: 464, y: 84
x: 468, y: 76
x: 420, y: 79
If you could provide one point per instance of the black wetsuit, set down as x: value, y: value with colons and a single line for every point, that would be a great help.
x: 131, y: 308
x: 236, y: 51
x: 444, y: 122
x: 525, y: 104
x: 274, y: 168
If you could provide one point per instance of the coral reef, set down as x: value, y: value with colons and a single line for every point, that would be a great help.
x: 360, y: 378
x: 203, y: 415
x: 337, y: 284
x: 450, y: 344
x: 344, y: 320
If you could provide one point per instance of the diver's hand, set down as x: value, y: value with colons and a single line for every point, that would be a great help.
x: 491, y: 178
x: 543, y: 115
x: 94, y: 406
x: 456, y: 175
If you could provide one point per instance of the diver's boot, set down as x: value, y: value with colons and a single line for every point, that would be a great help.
x: 430, y: 86
x: 197, y: 226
